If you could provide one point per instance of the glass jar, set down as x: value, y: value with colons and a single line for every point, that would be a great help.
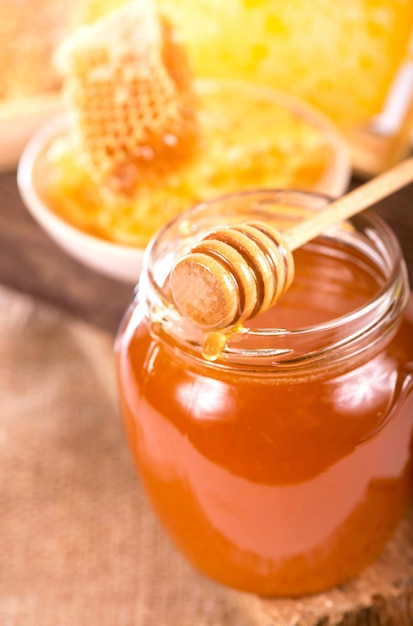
x: 284, y: 466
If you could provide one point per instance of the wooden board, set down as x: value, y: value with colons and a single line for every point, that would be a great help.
x: 31, y: 263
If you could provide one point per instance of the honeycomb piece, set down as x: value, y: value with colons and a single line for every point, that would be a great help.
x: 128, y: 88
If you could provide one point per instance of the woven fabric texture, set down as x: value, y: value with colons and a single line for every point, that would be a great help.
x: 78, y: 543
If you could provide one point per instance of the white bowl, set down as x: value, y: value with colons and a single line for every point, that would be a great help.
x: 124, y: 262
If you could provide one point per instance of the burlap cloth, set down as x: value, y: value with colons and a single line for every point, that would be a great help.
x: 78, y: 543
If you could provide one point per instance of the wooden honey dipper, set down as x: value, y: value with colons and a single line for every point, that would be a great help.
x: 236, y: 272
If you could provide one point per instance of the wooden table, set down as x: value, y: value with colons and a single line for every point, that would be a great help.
x: 31, y: 263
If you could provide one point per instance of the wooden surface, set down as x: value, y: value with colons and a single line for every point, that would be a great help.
x: 30, y: 262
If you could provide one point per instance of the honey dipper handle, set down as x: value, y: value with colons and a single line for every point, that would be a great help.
x: 352, y: 203
x: 237, y: 272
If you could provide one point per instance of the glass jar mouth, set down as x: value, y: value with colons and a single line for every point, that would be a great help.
x: 367, y: 233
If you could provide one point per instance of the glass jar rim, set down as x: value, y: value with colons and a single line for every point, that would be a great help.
x: 383, y: 308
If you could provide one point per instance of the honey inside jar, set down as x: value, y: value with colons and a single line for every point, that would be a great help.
x: 284, y: 467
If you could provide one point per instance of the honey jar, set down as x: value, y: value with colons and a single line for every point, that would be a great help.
x: 283, y: 464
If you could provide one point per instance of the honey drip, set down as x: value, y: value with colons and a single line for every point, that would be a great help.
x: 214, y: 345
x: 215, y: 341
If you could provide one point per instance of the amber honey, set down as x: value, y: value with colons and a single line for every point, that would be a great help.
x: 284, y: 467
